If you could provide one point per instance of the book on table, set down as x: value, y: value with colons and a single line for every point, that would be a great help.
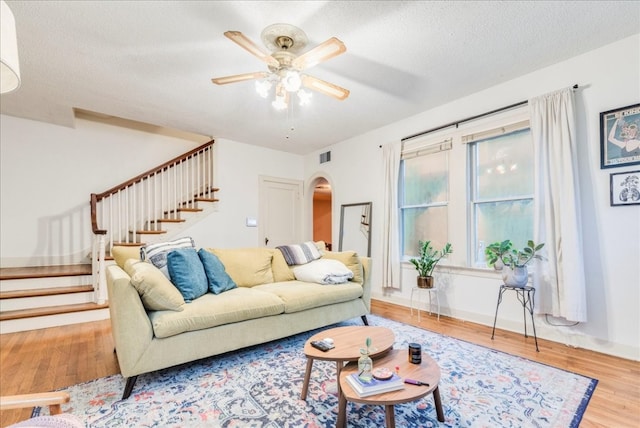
x: 374, y: 386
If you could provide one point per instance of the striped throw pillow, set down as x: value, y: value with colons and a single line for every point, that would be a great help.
x: 299, y: 254
x: 157, y: 253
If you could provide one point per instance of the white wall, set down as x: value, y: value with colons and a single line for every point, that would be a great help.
x: 48, y: 173
x: 237, y: 176
x: 609, y: 78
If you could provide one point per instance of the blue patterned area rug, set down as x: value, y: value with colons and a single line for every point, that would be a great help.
x: 260, y: 387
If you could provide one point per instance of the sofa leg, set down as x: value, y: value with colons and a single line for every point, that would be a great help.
x: 128, y: 388
x: 364, y: 320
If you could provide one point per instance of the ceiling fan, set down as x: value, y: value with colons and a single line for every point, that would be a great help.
x: 286, y: 62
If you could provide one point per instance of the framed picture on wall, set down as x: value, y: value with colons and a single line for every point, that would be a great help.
x: 620, y: 137
x: 625, y: 188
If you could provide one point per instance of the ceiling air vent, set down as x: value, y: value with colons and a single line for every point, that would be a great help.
x: 325, y: 157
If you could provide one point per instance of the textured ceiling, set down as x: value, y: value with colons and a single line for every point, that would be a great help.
x: 152, y: 61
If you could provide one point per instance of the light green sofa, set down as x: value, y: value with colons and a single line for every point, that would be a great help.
x: 268, y: 304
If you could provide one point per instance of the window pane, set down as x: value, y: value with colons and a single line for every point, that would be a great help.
x: 423, y: 224
x: 505, y: 166
x: 505, y: 220
x: 425, y: 179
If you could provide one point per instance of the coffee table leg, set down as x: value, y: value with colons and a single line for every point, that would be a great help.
x: 438, y: 403
x: 342, y: 412
x: 307, y: 376
x: 339, y: 367
x: 390, y: 416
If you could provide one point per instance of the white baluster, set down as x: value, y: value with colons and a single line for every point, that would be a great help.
x: 102, y: 277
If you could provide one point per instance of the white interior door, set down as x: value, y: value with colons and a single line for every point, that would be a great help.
x: 280, y: 202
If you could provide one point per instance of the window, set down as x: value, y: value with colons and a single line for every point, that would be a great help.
x: 424, y: 197
x: 468, y: 184
x: 501, y: 190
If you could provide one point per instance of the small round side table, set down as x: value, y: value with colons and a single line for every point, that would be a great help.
x: 430, y: 291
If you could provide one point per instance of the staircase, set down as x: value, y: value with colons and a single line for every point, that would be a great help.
x: 40, y: 297
x: 151, y: 207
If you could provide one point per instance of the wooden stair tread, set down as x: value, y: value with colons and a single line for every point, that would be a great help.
x: 170, y: 220
x: 52, y: 310
x: 207, y: 200
x: 45, y: 271
x: 183, y: 210
x: 150, y: 232
x: 128, y: 244
x: 15, y: 294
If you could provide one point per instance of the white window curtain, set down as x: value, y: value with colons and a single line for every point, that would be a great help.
x: 390, y: 229
x: 559, y: 280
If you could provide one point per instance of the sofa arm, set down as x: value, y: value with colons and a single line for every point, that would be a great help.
x: 130, y: 325
x: 366, y: 281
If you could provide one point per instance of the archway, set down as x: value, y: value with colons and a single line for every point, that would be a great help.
x: 322, y: 211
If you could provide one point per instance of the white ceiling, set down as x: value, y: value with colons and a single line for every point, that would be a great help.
x: 152, y: 61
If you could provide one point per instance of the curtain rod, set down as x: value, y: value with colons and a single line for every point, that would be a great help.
x: 458, y: 122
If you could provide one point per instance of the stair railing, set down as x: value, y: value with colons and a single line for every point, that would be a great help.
x: 126, y: 212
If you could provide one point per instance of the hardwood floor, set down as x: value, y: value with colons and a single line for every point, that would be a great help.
x: 48, y: 359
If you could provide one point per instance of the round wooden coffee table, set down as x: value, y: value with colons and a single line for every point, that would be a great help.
x: 347, y: 341
x: 427, y: 372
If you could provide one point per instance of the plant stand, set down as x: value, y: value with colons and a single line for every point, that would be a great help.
x: 430, y: 290
x: 526, y: 296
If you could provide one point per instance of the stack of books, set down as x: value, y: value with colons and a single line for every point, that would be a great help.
x: 374, y: 386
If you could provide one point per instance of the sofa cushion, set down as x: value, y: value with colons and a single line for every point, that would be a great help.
x: 299, y: 254
x: 157, y: 253
x: 156, y: 291
x: 323, y: 271
x: 350, y: 260
x: 122, y: 253
x: 280, y: 268
x: 218, y: 279
x: 212, y: 310
x: 246, y: 266
x: 187, y: 273
x: 299, y: 296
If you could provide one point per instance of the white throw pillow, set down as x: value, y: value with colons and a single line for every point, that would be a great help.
x: 323, y: 271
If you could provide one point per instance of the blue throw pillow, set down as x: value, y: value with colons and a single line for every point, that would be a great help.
x: 187, y: 273
x: 219, y: 279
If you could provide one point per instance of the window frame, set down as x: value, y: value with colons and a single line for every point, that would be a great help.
x: 462, y: 229
x: 417, y: 149
x: 473, y: 199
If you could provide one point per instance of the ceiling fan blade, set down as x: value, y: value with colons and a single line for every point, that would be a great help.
x: 239, y: 77
x: 252, y: 48
x: 326, y: 88
x: 324, y: 51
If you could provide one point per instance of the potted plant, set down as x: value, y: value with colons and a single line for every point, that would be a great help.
x: 515, y: 272
x: 496, y: 251
x: 427, y: 260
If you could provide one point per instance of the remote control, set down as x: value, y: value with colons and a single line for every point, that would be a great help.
x: 321, y: 345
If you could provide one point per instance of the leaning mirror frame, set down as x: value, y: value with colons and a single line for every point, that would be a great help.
x: 355, y: 228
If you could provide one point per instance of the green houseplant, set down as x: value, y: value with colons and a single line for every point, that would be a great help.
x: 515, y: 272
x: 496, y: 251
x: 427, y: 260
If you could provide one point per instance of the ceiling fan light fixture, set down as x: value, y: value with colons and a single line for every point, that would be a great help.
x: 286, y: 63
x: 291, y: 81
x: 304, y: 97
x: 263, y: 87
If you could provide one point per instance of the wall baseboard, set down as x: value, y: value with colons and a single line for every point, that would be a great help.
x: 570, y: 337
